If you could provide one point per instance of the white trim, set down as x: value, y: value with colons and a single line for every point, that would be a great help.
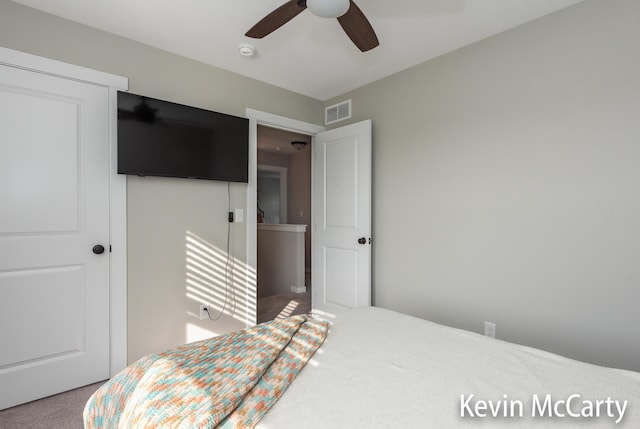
x: 283, y: 123
x: 57, y: 68
x: 251, y: 312
x: 282, y: 172
x: 275, y: 121
x: 118, y: 191
x: 282, y: 227
x: 118, y: 227
x: 298, y: 289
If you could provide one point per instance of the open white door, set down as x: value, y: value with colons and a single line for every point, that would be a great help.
x: 341, y: 253
x: 54, y: 235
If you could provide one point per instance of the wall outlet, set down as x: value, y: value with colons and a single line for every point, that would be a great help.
x: 204, y: 313
x: 490, y: 329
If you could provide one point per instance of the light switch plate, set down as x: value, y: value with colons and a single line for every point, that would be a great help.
x: 238, y: 215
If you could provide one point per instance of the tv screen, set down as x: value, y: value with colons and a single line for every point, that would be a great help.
x: 160, y: 138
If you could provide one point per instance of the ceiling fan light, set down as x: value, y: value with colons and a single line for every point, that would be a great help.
x: 328, y: 8
x: 299, y: 145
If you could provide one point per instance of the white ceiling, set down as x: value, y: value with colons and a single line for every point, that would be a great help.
x: 309, y: 55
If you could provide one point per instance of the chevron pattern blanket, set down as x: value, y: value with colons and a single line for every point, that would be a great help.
x: 229, y: 381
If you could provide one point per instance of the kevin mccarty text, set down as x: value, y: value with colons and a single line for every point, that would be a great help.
x: 571, y: 407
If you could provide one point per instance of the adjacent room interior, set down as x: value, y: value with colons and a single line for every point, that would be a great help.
x: 284, y: 219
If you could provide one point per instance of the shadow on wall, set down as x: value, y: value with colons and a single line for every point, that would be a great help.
x: 221, y: 281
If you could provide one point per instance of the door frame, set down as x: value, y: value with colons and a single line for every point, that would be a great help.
x: 257, y: 117
x: 118, y: 190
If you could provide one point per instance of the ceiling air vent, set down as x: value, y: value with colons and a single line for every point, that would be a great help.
x: 337, y: 112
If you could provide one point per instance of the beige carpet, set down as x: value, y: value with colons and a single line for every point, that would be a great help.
x: 288, y: 304
x: 63, y: 411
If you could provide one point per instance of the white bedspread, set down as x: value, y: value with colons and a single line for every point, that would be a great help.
x: 381, y: 369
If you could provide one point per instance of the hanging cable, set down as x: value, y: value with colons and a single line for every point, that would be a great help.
x: 229, y: 268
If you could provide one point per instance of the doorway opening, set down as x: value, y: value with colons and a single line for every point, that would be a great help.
x: 340, y: 213
x: 283, y: 223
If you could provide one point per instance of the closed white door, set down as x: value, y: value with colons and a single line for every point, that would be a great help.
x: 341, y: 259
x: 54, y: 208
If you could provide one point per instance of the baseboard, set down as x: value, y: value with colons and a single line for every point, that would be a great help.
x: 298, y: 289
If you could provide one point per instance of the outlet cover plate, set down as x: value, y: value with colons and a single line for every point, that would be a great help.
x: 204, y: 314
x: 490, y: 329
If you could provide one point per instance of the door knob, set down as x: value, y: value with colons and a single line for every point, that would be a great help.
x: 98, y: 249
x: 362, y: 240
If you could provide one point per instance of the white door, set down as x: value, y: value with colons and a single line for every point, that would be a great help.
x: 54, y: 208
x: 341, y: 259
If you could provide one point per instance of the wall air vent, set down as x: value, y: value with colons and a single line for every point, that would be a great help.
x: 337, y: 112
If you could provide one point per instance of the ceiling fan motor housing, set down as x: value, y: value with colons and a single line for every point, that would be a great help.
x: 328, y: 8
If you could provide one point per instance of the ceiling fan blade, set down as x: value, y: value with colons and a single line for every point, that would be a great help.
x: 358, y: 28
x: 276, y: 19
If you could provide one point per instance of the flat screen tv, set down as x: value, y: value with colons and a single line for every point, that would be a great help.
x: 160, y: 138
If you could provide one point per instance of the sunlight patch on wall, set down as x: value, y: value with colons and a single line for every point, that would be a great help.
x: 197, y: 333
x: 219, y: 280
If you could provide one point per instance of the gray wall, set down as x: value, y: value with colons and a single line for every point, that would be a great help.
x: 162, y: 213
x: 299, y: 202
x: 506, y: 184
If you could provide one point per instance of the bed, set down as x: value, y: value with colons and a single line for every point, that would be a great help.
x: 381, y: 369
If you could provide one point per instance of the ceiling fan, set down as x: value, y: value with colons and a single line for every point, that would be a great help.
x: 350, y: 17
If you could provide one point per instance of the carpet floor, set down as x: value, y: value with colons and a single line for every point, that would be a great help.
x: 288, y: 304
x: 62, y: 411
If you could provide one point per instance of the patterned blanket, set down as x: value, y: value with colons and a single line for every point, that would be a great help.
x: 228, y: 381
